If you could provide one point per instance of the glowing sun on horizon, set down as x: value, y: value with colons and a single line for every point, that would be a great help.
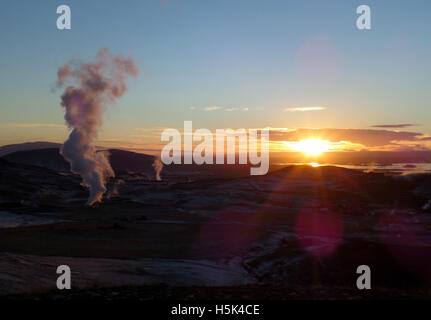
x: 312, y: 146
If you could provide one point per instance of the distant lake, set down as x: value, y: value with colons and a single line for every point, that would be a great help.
x: 397, y: 168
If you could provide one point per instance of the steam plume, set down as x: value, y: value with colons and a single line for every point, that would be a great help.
x: 158, y: 166
x: 92, y: 87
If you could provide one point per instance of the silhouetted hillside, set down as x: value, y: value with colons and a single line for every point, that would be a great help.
x: 45, y: 158
x: 121, y: 161
x: 4, y: 150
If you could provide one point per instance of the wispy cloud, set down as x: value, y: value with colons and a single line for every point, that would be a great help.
x: 32, y: 125
x: 302, y: 109
x: 212, y: 108
x: 227, y: 109
x: 231, y: 109
x: 153, y: 132
x: 368, y: 138
x: 236, y: 109
x: 152, y: 129
x: 394, y: 126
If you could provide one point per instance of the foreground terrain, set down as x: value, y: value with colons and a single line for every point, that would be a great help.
x: 297, y: 233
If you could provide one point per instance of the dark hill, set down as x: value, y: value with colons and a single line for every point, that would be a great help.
x: 45, y: 158
x: 121, y: 160
x: 7, y: 149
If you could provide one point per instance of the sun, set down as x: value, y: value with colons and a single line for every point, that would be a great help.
x: 312, y: 146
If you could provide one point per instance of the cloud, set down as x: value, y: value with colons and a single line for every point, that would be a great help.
x: 32, y: 125
x: 152, y: 129
x: 394, y: 126
x: 235, y: 109
x: 192, y: 108
x: 153, y: 132
x: 212, y: 108
x: 365, y: 137
x: 302, y: 109
x: 228, y: 109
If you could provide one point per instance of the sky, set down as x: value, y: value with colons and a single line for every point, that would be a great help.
x: 295, y: 66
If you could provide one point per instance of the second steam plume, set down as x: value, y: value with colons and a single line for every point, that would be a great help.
x: 92, y: 86
x: 158, y: 166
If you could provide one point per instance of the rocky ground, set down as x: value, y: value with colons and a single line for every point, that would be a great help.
x: 215, y: 234
x: 255, y: 292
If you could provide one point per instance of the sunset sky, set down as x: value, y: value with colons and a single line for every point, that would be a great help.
x: 301, y: 68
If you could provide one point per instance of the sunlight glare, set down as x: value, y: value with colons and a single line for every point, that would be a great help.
x: 312, y: 146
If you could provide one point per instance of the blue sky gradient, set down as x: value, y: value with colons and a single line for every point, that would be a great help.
x: 266, y: 56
